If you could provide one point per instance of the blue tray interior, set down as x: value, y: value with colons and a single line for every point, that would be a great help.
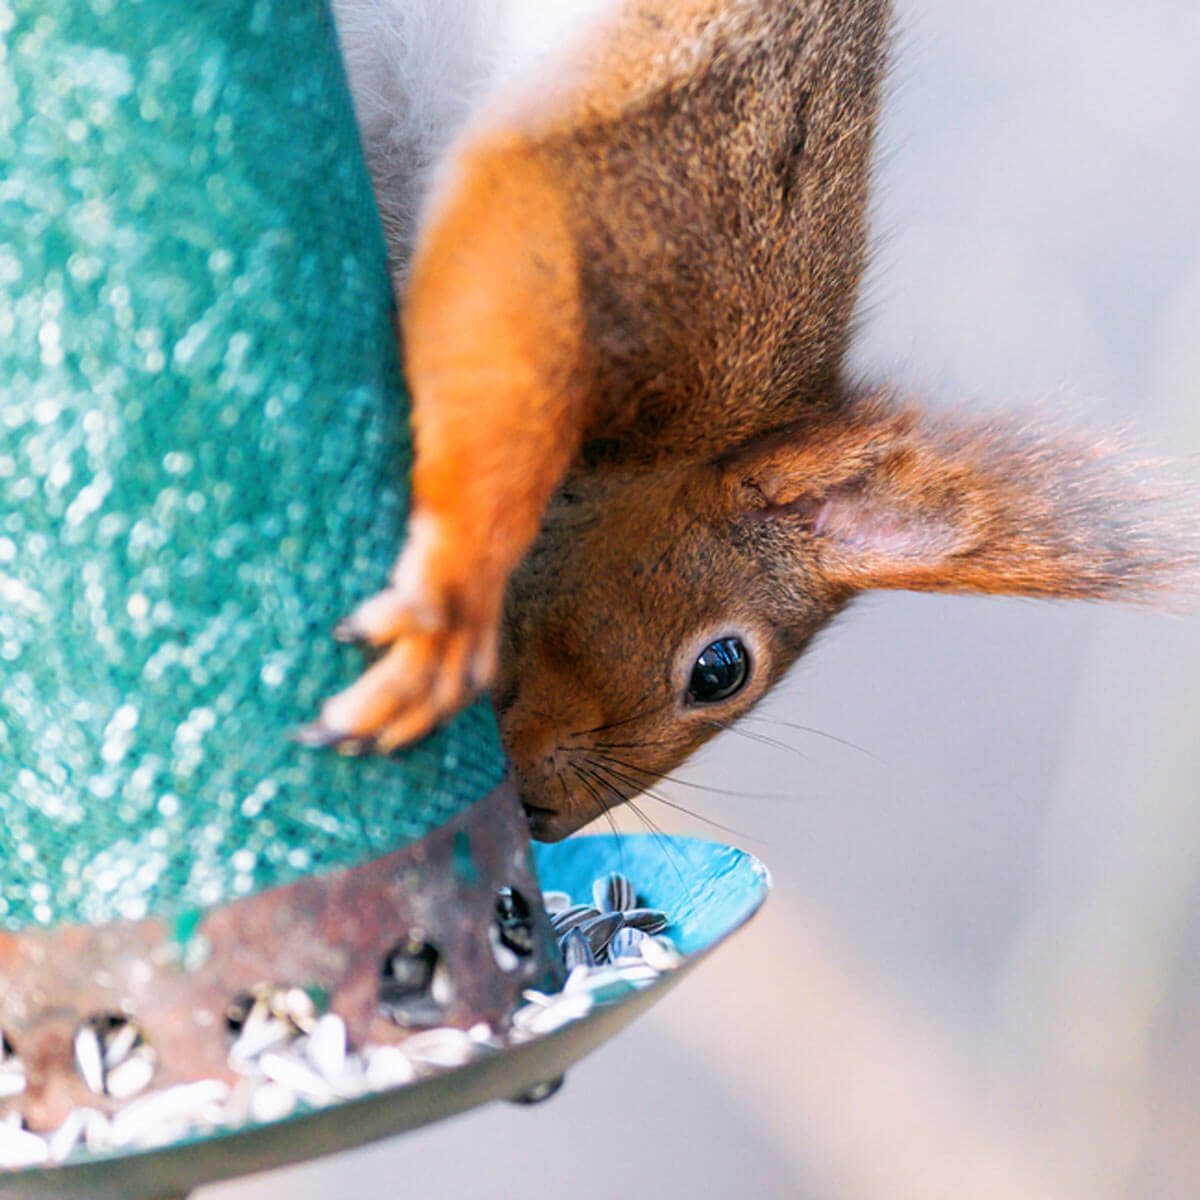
x: 707, y: 888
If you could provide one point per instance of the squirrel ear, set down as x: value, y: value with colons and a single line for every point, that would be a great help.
x: 882, y: 496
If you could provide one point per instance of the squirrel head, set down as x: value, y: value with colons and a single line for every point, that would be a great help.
x: 661, y: 602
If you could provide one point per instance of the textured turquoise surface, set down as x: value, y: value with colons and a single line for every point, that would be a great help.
x: 203, y: 455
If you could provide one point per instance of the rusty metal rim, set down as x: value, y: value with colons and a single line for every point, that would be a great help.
x: 329, y: 933
x: 178, y: 1169
x: 175, y: 1170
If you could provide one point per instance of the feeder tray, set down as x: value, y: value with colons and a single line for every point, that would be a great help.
x: 711, y: 889
x: 203, y: 466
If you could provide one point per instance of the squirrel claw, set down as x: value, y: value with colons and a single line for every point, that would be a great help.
x: 429, y: 640
x: 349, y: 631
x: 317, y: 735
x: 356, y: 747
x: 419, y: 680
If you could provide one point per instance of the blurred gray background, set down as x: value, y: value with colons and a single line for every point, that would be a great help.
x: 979, y: 975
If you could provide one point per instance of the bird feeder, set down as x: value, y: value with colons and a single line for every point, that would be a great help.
x: 203, y: 465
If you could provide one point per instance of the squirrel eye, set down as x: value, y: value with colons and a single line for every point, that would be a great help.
x: 721, y: 670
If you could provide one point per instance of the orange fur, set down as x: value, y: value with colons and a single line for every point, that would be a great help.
x: 494, y: 363
x: 624, y: 334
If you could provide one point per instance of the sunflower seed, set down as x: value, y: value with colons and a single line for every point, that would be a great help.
x: 241, y: 1008
x: 182, y: 1106
x: 237, y: 1107
x: 485, y: 1039
x: 259, y: 1034
x: 69, y: 1134
x: 562, y: 923
x: 388, y: 1067
x: 89, y: 1059
x: 97, y: 1132
x: 628, y: 970
x: 351, y: 1081
x: 298, y: 1007
x: 577, y: 950
x: 12, y: 1078
x: 562, y: 1011
x: 296, y: 1075
x: 441, y: 1047
x: 586, y: 980
x: 626, y: 943
x: 577, y: 978
x: 271, y: 1102
x: 555, y: 902
x: 153, y: 1132
x: 326, y: 1046
x: 12, y: 1070
x: 519, y: 1021
x: 613, y: 893
x: 638, y: 973
x: 441, y: 986
x: 599, y: 931
x: 20, y: 1148
x: 119, y: 1043
x: 292, y: 1006
x: 133, y: 1131
x: 506, y: 958
x: 649, y: 920
x: 130, y: 1077
x: 149, y: 1129
x: 660, y: 953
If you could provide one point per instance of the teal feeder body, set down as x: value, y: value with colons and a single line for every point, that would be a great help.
x: 204, y: 457
x: 203, y: 463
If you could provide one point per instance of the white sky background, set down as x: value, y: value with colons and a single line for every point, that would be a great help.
x: 979, y: 975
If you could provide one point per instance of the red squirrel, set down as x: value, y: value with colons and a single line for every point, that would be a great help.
x: 627, y: 238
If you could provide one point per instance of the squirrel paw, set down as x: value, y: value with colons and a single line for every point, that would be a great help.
x: 437, y: 645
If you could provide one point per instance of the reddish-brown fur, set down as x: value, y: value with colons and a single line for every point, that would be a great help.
x: 624, y: 334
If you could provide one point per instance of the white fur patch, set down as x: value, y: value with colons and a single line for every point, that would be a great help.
x: 410, y: 575
x: 420, y: 69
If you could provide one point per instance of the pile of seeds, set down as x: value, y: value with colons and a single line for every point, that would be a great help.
x: 610, y: 929
x: 289, y: 1057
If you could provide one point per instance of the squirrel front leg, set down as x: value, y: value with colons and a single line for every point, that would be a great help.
x: 492, y: 331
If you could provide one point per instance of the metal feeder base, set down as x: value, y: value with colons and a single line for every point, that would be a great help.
x: 709, y: 889
x: 330, y: 936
